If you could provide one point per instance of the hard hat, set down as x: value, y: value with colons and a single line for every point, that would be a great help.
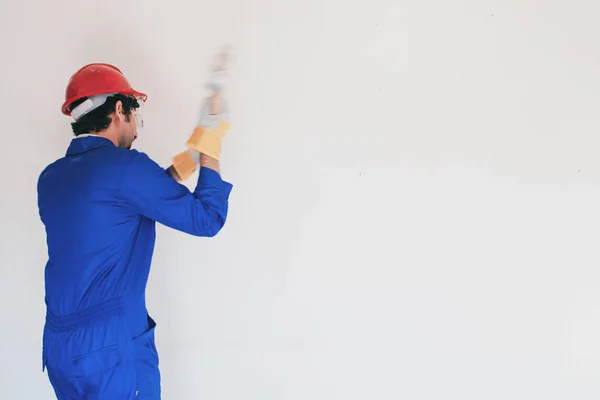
x: 97, y: 79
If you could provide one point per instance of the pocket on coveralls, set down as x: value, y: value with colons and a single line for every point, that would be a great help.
x: 96, y: 361
x: 148, y: 373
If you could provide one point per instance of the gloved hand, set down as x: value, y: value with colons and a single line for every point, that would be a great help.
x: 185, y: 163
x: 206, y: 138
x: 220, y: 71
x: 214, y: 109
x: 218, y: 80
x: 213, y: 124
x: 212, y: 127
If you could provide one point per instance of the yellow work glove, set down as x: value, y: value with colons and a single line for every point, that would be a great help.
x: 185, y: 163
x: 206, y: 139
x: 214, y: 123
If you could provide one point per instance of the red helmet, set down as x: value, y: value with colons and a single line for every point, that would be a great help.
x: 94, y: 79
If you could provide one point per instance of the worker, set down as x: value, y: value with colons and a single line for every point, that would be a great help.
x: 99, y: 204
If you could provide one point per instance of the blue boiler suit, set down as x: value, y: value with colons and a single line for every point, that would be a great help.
x: 99, y: 205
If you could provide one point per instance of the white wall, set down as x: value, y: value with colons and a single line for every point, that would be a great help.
x: 416, y: 208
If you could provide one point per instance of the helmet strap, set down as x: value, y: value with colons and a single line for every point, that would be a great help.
x: 90, y: 104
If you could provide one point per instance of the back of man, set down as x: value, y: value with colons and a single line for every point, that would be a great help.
x: 99, y: 246
x: 99, y: 205
x: 100, y: 251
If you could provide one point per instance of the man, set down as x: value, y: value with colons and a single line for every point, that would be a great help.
x: 99, y: 205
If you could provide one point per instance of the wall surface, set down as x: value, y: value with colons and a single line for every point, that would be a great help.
x: 416, y: 211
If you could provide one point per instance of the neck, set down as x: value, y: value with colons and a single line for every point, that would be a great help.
x: 107, y: 134
x: 110, y: 136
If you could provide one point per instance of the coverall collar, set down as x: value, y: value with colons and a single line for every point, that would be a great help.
x: 84, y: 143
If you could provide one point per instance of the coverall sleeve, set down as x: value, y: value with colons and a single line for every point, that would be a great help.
x: 153, y: 193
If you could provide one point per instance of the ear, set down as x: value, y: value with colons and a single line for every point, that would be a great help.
x: 119, y: 114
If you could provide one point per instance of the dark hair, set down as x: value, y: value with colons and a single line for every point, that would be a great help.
x: 98, y: 119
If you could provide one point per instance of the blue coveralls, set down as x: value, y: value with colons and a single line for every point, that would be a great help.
x: 99, y: 205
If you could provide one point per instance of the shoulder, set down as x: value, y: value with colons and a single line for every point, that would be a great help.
x: 138, y: 165
x: 136, y: 159
x: 47, y: 171
x: 127, y: 162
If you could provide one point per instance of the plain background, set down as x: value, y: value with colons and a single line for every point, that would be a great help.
x: 416, y: 209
